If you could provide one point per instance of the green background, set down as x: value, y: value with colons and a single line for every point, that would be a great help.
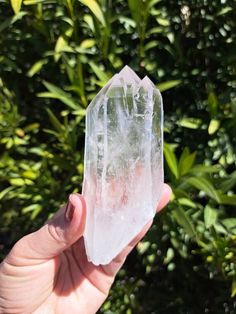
x: 54, y: 57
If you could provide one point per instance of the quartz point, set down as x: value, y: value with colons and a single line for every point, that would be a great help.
x: 123, y: 175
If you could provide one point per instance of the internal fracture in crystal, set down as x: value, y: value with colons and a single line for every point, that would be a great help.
x: 123, y: 176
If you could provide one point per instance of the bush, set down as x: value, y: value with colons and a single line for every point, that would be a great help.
x: 54, y: 57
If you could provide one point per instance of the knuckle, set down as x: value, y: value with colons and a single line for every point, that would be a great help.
x: 57, y: 234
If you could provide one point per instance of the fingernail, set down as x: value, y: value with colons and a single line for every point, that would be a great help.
x: 69, y: 213
x: 167, y: 189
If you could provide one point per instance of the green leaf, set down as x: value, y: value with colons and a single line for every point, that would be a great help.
x: 204, y: 169
x: 163, y: 22
x: 186, y: 161
x: 228, y: 200
x: 61, y: 43
x: 4, y: 192
x: 212, y: 104
x: 233, y: 288
x: 32, y: 126
x: 185, y: 153
x: 95, y: 8
x: 57, y: 93
x: 225, y: 11
x: 179, y: 193
x: 186, y: 202
x: 16, y: 5
x: 170, y: 254
x: 32, y: 2
x: 203, y: 184
x: 61, y: 46
x: 171, y: 160
x: 184, y: 221
x: 54, y: 89
x: 230, y: 224
x: 151, y: 44
x: 29, y: 174
x: 210, y: 216
x: 99, y: 73
x: 229, y: 182
x: 155, y: 30
x: 12, y: 20
x: 29, y: 208
x: 36, y: 67
x: 220, y: 228
x: 55, y: 122
x: 190, y: 123
x: 135, y: 10
x: 89, y: 20
x: 168, y: 85
x: 143, y: 246
x: 17, y: 182
x: 87, y: 43
x: 128, y: 22
x: 34, y: 209
x: 151, y: 3
x: 213, y: 126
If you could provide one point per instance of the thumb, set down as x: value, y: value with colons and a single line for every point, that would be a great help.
x: 59, y: 233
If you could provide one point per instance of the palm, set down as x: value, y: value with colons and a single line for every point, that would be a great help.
x: 62, y: 284
x: 73, y: 283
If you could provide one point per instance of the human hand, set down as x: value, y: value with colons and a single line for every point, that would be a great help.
x: 47, y: 271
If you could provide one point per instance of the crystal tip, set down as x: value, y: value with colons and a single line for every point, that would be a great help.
x: 127, y: 74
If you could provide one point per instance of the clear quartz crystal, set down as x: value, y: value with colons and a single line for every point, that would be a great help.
x: 123, y: 176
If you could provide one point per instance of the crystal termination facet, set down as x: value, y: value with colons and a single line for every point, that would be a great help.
x: 123, y: 176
